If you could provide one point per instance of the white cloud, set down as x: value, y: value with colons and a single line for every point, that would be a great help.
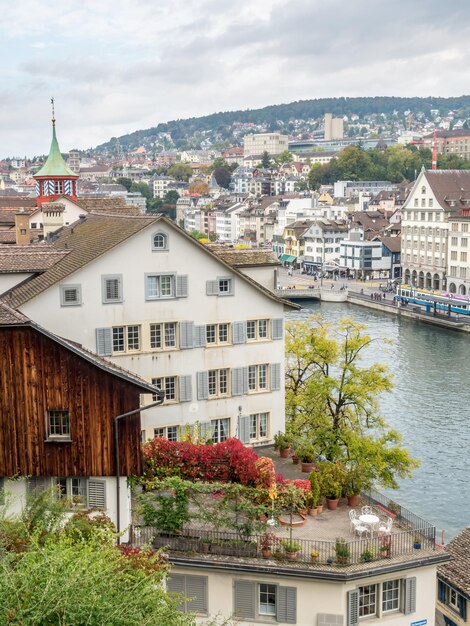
x: 116, y: 66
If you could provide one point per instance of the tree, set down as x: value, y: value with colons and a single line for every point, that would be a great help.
x: 200, y: 187
x: 316, y: 176
x: 265, y: 160
x: 180, y: 171
x: 219, y: 162
x: 223, y: 176
x: 171, y: 197
x: 284, y: 157
x: 142, y: 188
x: 333, y: 402
x: 125, y: 182
x: 155, y: 205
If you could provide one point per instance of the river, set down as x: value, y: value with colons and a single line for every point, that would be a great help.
x: 429, y: 405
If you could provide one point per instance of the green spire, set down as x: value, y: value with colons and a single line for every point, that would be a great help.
x: 55, y: 164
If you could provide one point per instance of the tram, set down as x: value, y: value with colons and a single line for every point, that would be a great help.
x: 448, y: 302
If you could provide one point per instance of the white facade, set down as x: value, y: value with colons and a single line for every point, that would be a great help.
x: 365, y: 258
x: 272, y: 143
x: 161, y: 184
x: 323, y: 242
x: 239, y: 369
x: 397, y: 598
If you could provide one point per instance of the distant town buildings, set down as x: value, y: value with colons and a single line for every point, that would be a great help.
x: 272, y: 143
x: 334, y: 127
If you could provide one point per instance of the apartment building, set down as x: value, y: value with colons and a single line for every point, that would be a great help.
x: 450, y: 142
x: 323, y: 243
x: 272, y: 143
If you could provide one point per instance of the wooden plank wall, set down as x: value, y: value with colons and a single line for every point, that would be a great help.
x: 36, y: 375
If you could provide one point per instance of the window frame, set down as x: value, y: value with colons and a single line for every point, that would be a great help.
x: 105, y: 278
x: 165, y: 246
x: 166, y: 431
x: 159, y: 276
x: 169, y: 385
x: 78, y: 290
x: 64, y: 435
x: 220, y: 380
x: 171, y: 327
x: 256, y: 419
x: 258, y: 336
x: 124, y: 339
x: 215, y: 331
x: 260, y: 373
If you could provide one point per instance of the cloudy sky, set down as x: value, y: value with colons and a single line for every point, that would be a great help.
x: 115, y: 66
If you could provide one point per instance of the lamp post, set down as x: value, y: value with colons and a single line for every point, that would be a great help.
x: 161, y: 396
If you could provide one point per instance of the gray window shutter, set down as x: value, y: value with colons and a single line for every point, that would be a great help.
x: 212, y: 287
x: 237, y: 381
x: 37, y: 485
x: 176, y: 583
x: 244, y: 428
x: 286, y: 605
x: 353, y: 608
x: 205, y: 430
x: 186, y: 335
x: 97, y: 494
x: 202, y: 385
x: 104, y: 341
x: 410, y: 595
x: 181, y: 285
x: 239, y: 332
x: 200, y: 336
x: 244, y: 599
x: 277, y: 328
x: 196, y: 592
x: 185, y: 389
x: 275, y: 376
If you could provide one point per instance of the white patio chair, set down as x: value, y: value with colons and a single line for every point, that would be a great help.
x: 386, y: 528
x: 366, y: 510
x: 354, y: 519
x: 360, y: 529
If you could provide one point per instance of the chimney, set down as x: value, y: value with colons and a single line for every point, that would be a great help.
x: 22, y: 234
x: 82, y: 217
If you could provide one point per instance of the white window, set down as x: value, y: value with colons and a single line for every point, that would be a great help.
x: 376, y: 600
x: 259, y: 423
x: 220, y: 429
x: 168, y: 384
x: 126, y: 338
x: 159, y: 286
x: 367, y: 600
x: 111, y: 288
x: 391, y: 596
x: 217, y: 334
x: 74, y: 489
x: 218, y: 383
x: 70, y: 295
x: 167, y: 432
x: 267, y: 599
x: 257, y: 330
x: 163, y: 336
x: 223, y: 286
x: 160, y: 241
x: 258, y: 377
x: 58, y: 425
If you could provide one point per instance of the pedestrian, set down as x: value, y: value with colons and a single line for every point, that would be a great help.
x: 332, y: 285
x: 371, y: 296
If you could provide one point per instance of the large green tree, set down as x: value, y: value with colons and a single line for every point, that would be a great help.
x: 180, y: 171
x: 333, y: 401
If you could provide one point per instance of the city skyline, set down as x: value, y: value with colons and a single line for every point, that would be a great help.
x: 116, y: 68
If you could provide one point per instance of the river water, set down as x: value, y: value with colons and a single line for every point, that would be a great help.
x: 429, y: 405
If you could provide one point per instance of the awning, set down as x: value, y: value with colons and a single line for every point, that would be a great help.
x: 287, y: 258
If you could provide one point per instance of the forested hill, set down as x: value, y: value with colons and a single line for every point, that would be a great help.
x: 220, y: 124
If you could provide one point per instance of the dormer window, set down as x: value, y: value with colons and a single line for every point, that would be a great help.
x: 423, y: 189
x: 160, y: 241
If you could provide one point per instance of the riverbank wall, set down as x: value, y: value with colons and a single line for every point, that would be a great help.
x: 410, y: 312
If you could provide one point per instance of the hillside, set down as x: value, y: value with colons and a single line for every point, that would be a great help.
x: 224, y: 127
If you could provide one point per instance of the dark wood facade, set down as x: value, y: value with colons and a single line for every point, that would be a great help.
x: 38, y: 374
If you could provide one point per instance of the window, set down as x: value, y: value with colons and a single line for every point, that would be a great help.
x: 267, y: 599
x: 449, y: 596
x: 163, y: 336
x: 218, y: 382
x: 256, y: 330
x: 463, y: 257
x: 217, y: 334
x: 167, y: 432
x: 159, y: 286
x: 220, y: 429
x: 454, y: 241
x: 82, y: 492
x: 160, y: 241
x: 431, y: 202
x: 111, y: 289
x: 220, y: 287
x: 416, y: 201
x: 380, y: 599
x: 70, y: 295
x: 126, y: 338
x: 265, y: 602
x: 258, y: 377
x: 259, y: 426
x: 465, y: 228
x: 169, y: 385
x: 390, y: 596
x: 453, y: 255
x: 59, y: 186
x: 58, y: 425
x: 464, y: 242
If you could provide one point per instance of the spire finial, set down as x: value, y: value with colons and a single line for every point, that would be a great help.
x: 53, y: 112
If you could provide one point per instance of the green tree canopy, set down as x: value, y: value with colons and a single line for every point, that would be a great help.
x: 223, y: 176
x: 180, y: 171
x: 266, y: 160
x: 125, y: 182
x: 333, y: 401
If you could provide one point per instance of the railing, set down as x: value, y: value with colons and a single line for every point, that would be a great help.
x: 342, y: 553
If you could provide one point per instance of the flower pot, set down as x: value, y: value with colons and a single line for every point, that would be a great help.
x: 319, y: 508
x: 267, y: 553
x: 295, y: 460
x: 291, y: 556
x: 307, y: 467
x: 417, y: 546
x: 314, y: 558
x: 332, y: 503
x: 354, y: 500
x: 313, y: 512
x: 206, y: 547
x: 284, y: 453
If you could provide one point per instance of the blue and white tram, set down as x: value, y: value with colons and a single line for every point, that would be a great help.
x: 447, y: 302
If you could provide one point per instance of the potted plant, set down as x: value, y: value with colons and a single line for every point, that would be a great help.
x: 295, y: 459
x: 367, y: 555
x: 307, y: 456
x: 314, y: 495
x: 320, y: 506
x: 385, y: 545
x: 332, y: 477
x: 311, y: 504
x: 206, y: 544
x: 291, y: 548
x: 267, y: 542
x: 355, y: 483
x: 283, y: 444
x: 417, y: 541
x: 342, y: 550
x: 314, y: 554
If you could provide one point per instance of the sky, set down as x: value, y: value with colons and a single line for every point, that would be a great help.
x: 115, y: 66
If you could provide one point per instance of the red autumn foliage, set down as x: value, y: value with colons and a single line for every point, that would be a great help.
x: 228, y: 461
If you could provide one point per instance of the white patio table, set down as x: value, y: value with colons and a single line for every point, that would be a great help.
x: 370, y: 521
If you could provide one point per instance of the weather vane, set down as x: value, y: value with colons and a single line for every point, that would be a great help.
x: 53, y: 112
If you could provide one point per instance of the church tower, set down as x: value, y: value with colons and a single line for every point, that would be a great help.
x: 55, y: 178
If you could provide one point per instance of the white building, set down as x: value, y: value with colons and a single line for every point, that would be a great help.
x: 160, y: 185
x: 148, y: 296
x: 364, y: 258
x: 272, y: 143
x: 323, y: 243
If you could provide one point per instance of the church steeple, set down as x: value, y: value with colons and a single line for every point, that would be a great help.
x: 55, y: 178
